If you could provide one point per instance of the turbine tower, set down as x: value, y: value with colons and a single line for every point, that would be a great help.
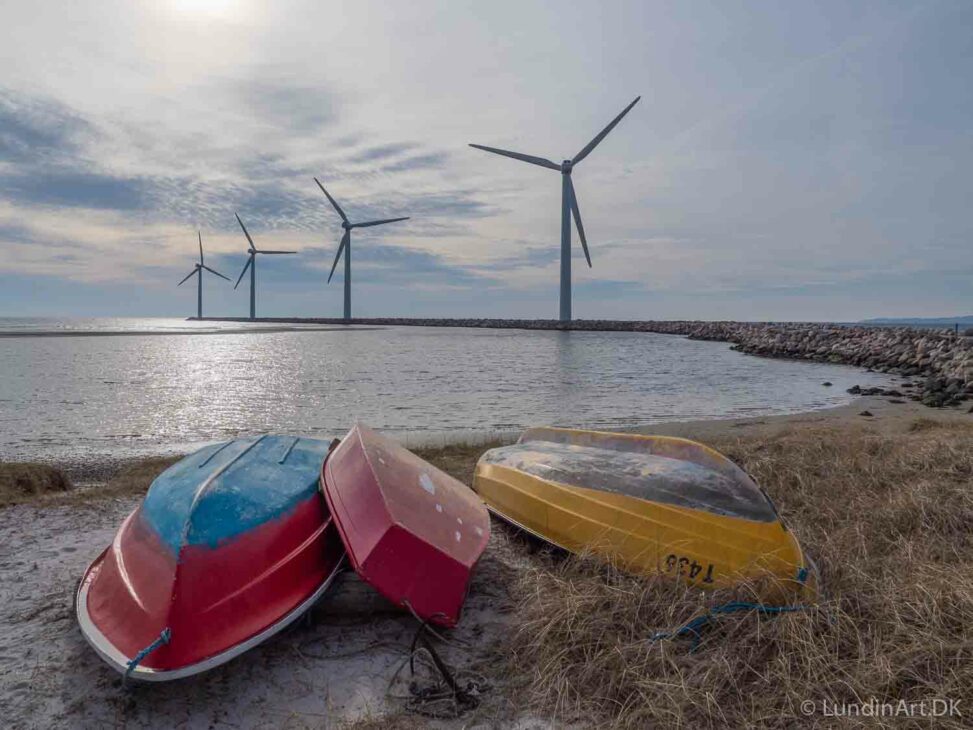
x: 198, y: 271
x: 569, y: 203
x: 252, y: 265
x: 345, y: 245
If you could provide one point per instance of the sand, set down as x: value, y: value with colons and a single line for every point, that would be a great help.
x: 330, y: 670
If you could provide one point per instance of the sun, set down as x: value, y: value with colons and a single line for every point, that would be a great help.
x: 223, y: 9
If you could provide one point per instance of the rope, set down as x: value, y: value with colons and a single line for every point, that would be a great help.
x: 163, y: 639
x: 454, y: 694
x: 694, y: 627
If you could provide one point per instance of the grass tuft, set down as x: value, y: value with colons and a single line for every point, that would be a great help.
x: 134, y: 479
x: 24, y: 482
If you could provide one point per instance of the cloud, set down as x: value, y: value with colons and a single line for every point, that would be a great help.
x: 381, y: 152
x: 288, y: 106
x: 36, y: 130
x: 75, y: 189
x: 395, y: 264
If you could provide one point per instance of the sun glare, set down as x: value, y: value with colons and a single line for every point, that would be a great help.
x: 207, y: 8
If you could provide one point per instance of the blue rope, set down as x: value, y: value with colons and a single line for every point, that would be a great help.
x: 137, y: 659
x: 693, y: 628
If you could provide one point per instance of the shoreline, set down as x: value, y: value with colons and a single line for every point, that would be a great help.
x: 888, y: 417
x: 165, y: 333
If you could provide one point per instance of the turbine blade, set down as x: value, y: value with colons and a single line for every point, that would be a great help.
x: 245, y: 232
x: 518, y: 156
x: 188, y: 277
x: 378, y: 223
x: 341, y: 248
x: 213, y: 271
x: 245, y: 267
x: 200, y: 234
x: 577, y: 220
x: 602, y: 134
x: 262, y: 251
x: 333, y: 202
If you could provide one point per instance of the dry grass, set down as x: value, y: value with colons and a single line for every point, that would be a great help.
x: 133, y: 479
x: 887, y: 518
x: 130, y: 479
x: 458, y: 460
x: 24, y: 482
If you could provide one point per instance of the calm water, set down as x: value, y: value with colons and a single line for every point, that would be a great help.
x: 67, y: 396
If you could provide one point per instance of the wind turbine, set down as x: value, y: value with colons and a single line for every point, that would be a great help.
x: 198, y: 271
x: 345, y: 245
x: 252, y: 265
x: 569, y: 203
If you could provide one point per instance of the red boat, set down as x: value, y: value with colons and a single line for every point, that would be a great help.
x: 410, y: 530
x: 230, y: 545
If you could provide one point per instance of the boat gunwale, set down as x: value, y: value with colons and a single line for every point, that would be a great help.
x: 118, y: 661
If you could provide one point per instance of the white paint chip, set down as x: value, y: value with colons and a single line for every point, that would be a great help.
x: 426, y: 483
x: 460, y: 520
x: 479, y: 531
x: 439, y: 508
x: 458, y: 536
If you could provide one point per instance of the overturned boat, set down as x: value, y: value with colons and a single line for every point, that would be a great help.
x: 654, y: 504
x: 229, y: 546
x: 411, y: 531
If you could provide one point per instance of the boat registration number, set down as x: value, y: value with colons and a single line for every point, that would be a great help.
x: 685, y: 567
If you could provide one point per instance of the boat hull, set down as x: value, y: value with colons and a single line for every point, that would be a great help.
x: 666, y: 506
x: 228, y: 548
x: 411, y: 531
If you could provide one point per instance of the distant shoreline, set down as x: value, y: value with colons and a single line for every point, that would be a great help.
x: 152, y: 333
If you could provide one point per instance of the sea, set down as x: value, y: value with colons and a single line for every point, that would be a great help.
x: 75, y: 389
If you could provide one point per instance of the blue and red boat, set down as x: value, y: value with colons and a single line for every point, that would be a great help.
x: 229, y: 546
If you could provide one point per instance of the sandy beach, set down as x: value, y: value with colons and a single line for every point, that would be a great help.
x: 334, y: 669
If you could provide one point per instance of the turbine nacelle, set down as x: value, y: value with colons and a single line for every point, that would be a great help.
x: 566, y: 167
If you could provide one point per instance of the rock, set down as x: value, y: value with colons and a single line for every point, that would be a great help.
x: 866, y: 413
x: 855, y: 390
x: 934, y: 400
x: 827, y: 383
x: 896, y: 401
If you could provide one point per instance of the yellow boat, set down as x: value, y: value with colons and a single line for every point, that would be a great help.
x: 654, y: 504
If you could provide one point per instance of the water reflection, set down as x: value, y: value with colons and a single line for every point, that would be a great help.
x: 142, y: 394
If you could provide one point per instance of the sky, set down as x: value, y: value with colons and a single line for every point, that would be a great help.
x: 804, y: 161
